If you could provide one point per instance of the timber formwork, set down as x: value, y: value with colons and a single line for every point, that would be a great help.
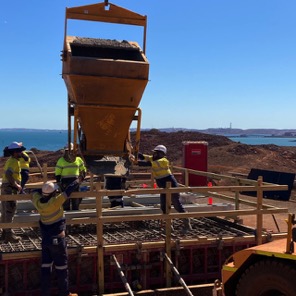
x: 137, y: 238
x: 139, y: 248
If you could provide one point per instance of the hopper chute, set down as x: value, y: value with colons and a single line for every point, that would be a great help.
x: 105, y: 80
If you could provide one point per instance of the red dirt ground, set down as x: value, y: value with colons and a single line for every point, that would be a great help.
x: 224, y: 156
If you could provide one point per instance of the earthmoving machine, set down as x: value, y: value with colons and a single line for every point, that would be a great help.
x: 264, y: 270
x: 105, y: 81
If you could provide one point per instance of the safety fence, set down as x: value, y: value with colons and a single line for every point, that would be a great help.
x: 140, y: 236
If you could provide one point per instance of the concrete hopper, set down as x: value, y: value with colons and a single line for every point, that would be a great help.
x: 105, y: 81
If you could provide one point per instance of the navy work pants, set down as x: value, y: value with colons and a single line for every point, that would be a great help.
x: 54, y: 252
x: 175, y: 196
x: 25, y: 174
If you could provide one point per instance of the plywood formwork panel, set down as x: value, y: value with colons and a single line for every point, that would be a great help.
x: 196, y: 263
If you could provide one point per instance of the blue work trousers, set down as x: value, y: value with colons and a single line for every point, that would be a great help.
x: 54, y: 252
x: 161, y: 183
x: 25, y: 174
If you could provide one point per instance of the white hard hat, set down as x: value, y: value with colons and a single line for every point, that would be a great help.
x: 67, y: 147
x: 161, y: 148
x: 16, y: 146
x: 48, y: 188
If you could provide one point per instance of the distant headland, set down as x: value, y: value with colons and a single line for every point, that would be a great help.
x: 233, y: 132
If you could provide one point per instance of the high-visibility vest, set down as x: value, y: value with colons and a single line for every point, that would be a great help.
x: 13, y: 165
x: 25, y: 165
x: 160, y: 167
x: 67, y: 169
x: 51, y: 211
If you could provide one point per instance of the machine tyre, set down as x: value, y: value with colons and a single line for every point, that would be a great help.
x: 267, y: 278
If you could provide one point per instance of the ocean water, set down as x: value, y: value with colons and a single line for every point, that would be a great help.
x: 260, y: 140
x: 53, y: 140
x: 49, y: 140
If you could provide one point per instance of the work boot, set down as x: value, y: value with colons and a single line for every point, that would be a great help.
x: 10, y: 237
x: 186, y: 225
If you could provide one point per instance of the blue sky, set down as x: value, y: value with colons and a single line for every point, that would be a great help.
x: 212, y: 62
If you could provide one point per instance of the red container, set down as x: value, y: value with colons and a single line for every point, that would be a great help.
x: 195, y: 156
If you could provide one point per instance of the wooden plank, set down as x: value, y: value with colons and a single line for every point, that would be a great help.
x: 259, y: 221
x: 100, y: 239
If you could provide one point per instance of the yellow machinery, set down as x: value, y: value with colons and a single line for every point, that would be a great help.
x: 105, y: 81
x: 264, y: 270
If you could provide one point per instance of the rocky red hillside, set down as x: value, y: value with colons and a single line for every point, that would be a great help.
x: 224, y: 155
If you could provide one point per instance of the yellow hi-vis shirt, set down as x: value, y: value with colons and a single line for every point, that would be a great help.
x: 160, y: 167
x: 51, y: 211
x: 13, y: 165
x: 25, y: 165
x: 67, y: 169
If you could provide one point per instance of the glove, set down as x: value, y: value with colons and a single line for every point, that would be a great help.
x: 39, y: 190
x: 141, y: 156
x: 72, y: 187
x: 25, y: 157
x: 144, y: 163
x: 58, y: 178
x: 60, y: 188
x: 81, y: 177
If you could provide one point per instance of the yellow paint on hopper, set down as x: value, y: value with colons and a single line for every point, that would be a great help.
x: 105, y: 80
